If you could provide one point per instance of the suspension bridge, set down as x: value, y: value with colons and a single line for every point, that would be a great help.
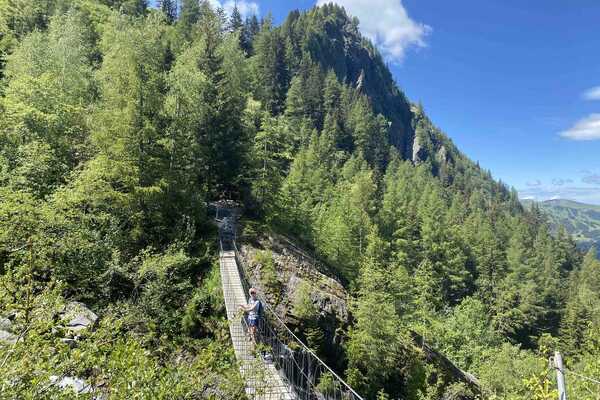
x: 276, y: 364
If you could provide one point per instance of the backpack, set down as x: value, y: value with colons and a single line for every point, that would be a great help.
x: 259, y: 309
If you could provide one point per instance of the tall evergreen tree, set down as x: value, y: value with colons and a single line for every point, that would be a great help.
x: 582, y: 313
x: 189, y: 14
x: 169, y: 8
x: 269, y: 69
x: 127, y: 126
x: 221, y: 133
x: 272, y: 152
x: 235, y: 20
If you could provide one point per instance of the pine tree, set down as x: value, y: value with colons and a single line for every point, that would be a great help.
x: 235, y: 20
x: 220, y: 133
x: 188, y: 17
x: 272, y: 152
x: 248, y: 32
x: 169, y: 8
x: 442, y: 249
x: 582, y: 312
x: 127, y: 125
x: 376, y: 346
x: 344, y: 224
x: 270, y: 72
x: 488, y: 253
x: 398, y: 215
x: 134, y: 7
x: 369, y: 132
x: 304, y: 97
x: 309, y: 184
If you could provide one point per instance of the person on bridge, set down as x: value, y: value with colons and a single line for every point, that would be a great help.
x: 254, y: 310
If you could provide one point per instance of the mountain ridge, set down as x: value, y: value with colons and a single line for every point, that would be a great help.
x: 581, y: 220
x: 106, y: 182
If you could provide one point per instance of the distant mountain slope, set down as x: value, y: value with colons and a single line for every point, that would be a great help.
x: 581, y: 220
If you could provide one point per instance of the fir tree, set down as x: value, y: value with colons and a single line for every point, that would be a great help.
x: 169, y: 8
x: 235, y: 20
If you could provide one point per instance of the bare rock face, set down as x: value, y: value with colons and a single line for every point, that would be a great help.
x: 5, y: 324
x: 418, y: 151
x: 78, y: 385
x: 324, y: 300
x: 300, y: 279
x: 442, y: 155
x: 295, y: 269
x: 360, y: 81
x: 6, y: 334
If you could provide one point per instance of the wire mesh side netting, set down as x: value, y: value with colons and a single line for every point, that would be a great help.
x: 306, y: 374
x: 262, y: 382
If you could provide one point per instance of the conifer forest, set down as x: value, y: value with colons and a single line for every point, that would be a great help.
x: 121, y: 122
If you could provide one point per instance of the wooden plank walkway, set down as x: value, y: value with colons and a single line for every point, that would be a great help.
x: 263, y: 381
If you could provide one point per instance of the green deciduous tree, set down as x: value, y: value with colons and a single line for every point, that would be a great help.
x: 48, y: 97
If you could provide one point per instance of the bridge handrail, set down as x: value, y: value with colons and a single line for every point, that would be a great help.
x: 304, y: 347
x: 351, y: 394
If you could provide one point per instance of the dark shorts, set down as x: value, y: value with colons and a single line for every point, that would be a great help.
x: 252, y: 322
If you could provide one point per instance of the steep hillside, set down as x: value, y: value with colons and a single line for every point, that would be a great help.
x: 331, y: 39
x: 120, y: 124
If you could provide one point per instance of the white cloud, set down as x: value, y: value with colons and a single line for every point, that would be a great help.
x: 592, y: 93
x: 592, y: 179
x: 587, y: 128
x: 560, y: 181
x: 387, y: 24
x: 589, y: 195
x: 246, y: 8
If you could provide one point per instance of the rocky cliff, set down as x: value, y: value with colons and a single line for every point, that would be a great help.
x: 309, y: 299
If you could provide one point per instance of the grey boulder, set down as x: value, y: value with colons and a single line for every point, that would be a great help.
x: 78, y: 317
x: 7, y: 337
x: 77, y: 384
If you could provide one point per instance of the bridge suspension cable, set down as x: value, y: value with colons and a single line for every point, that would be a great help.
x: 275, y: 364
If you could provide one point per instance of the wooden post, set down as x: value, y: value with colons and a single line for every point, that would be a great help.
x: 560, y: 376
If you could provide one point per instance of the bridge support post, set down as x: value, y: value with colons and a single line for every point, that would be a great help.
x: 560, y: 376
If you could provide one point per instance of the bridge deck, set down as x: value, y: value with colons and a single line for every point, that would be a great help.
x: 263, y: 381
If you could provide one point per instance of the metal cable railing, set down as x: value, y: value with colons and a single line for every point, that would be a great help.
x: 306, y: 376
x: 263, y: 381
x: 309, y: 377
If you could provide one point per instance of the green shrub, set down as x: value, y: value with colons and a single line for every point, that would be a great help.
x: 205, y: 308
x: 303, y: 306
x: 268, y: 273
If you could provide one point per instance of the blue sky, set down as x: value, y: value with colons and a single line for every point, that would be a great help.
x: 515, y: 84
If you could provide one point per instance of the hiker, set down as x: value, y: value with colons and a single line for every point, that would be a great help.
x: 254, y: 310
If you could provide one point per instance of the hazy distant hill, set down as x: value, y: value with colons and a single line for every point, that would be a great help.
x: 581, y: 220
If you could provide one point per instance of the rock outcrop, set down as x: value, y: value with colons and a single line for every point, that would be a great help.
x: 418, y: 151
x: 6, y: 333
x: 77, y: 317
x: 300, y: 278
x: 78, y: 385
x: 442, y: 155
x: 295, y: 268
